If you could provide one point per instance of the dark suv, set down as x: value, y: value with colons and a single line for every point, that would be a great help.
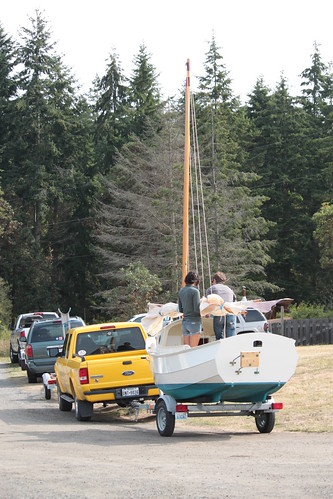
x: 43, y: 345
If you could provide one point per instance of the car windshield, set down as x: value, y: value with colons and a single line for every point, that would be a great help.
x: 109, y: 341
x: 253, y: 316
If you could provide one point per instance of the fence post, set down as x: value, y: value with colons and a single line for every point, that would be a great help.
x: 282, y: 320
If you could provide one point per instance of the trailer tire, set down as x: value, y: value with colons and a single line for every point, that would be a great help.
x: 165, y: 420
x: 265, y: 421
x: 47, y: 392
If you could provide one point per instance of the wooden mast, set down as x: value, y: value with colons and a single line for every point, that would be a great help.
x: 186, y: 176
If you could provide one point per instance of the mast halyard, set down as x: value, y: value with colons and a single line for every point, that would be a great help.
x: 186, y: 177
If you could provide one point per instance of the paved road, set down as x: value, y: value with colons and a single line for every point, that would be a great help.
x: 48, y: 454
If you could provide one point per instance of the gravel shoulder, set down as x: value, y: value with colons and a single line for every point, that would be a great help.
x: 47, y: 453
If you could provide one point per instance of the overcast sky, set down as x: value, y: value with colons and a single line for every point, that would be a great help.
x: 256, y: 38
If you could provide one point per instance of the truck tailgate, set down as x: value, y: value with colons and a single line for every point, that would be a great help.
x: 115, y: 370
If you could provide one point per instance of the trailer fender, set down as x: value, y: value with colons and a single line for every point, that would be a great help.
x: 170, y: 402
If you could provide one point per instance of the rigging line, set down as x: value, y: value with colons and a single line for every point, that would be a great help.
x: 202, y: 196
x: 197, y: 193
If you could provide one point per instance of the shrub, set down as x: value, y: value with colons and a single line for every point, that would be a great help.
x: 309, y: 311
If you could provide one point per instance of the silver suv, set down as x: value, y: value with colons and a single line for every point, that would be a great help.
x: 253, y: 322
x: 22, y: 324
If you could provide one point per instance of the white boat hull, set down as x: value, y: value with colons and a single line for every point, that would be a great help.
x: 243, y: 368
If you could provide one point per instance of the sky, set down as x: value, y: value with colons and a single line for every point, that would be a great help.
x: 256, y: 37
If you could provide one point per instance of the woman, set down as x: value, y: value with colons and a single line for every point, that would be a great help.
x: 189, y: 305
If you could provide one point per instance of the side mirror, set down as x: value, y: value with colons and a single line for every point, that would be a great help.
x: 23, y: 339
x: 11, y: 327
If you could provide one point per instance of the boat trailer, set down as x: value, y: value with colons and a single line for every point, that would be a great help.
x: 168, y: 410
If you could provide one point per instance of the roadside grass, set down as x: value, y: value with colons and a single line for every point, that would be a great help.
x: 4, y: 343
x: 307, y: 398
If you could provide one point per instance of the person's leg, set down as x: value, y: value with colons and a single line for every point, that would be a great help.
x: 186, y: 339
x: 218, y: 325
x: 231, y: 325
x: 194, y: 340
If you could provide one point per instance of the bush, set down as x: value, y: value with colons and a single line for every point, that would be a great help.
x: 310, y: 311
x: 5, y: 307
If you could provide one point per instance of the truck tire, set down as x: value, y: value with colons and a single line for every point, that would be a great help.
x: 165, y: 420
x: 13, y: 356
x: 64, y: 405
x: 265, y: 421
x: 83, y: 410
x: 32, y: 378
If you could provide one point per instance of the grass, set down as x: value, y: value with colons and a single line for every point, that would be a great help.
x: 307, y: 398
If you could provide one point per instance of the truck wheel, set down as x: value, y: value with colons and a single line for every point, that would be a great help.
x: 265, y: 421
x: 165, y: 420
x: 47, y: 392
x: 83, y: 410
x: 32, y: 378
x: 64, y: 405
x: 13, y: 356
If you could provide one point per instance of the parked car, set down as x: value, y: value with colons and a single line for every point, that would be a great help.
x: 24, y: 321
x: 253, y: 322
x: 44, y: 343
x: 23, y: 333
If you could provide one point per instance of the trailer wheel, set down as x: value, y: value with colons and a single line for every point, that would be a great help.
x: 265, y: 421
x: 83, y: 410
x: 165, y: 420
x: 64, y: 405
x: 47, y: 392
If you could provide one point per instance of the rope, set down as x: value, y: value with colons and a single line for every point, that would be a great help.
x: 199, y: 184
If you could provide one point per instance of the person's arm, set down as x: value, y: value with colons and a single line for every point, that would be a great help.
x: 180, y: 306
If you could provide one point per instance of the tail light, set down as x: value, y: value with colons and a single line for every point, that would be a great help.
x: 28, y: 350
x: 181, y: 408
x: 22, y: 334
x: 83, y: 376
x: 277, y: 405
x: 266, y: 326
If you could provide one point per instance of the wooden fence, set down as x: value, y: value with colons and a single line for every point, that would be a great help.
x: 305, y: 331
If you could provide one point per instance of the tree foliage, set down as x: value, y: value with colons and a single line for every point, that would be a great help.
x: 91, y: 191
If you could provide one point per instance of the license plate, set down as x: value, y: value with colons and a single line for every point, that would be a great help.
x: 181, y: 415
x: 130, y: 392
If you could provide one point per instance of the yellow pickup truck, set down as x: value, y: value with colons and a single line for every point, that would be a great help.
x: 104, y: 363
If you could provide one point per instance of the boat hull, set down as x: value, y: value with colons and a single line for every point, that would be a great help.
x: 244, y: 368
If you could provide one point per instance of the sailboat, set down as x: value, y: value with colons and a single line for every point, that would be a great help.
x: 249, y: 367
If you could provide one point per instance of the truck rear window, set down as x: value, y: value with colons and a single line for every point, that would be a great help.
x: 47, y: 333
x: 110, y: 341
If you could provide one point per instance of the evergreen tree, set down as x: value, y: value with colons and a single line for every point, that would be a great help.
x: 7, y: 93
x: 51, y: 155
x: 146, y: 106
x: 111, y: 115
x: 277, y: 157
x: 237, y: 229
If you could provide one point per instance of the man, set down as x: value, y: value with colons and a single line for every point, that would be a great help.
x: 189, y: 305
x: 228, y: 321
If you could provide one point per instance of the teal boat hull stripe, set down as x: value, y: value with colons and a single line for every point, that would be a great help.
x: 216, y: 392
